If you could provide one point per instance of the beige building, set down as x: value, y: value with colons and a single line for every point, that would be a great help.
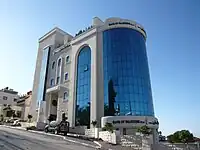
x: 24, y: 103
x: 8, y: 101
x: 100, y: 71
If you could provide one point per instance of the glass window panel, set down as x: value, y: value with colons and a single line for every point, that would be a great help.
x: 83, y: 85
x: 124, y: 51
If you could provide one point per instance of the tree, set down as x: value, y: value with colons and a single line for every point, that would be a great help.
x: 145, y: 130
x: 183, y: 136
x: 186, y: 136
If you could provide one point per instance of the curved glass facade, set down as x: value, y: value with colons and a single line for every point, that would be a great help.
x: 127, y: 89
x: 83, y: 87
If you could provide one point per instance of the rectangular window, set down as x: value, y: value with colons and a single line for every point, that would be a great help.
x: 42, y: 76
x: 52, y: 82
x: 57, y: 80
x: 66, y: 94
x: 67, y: 59
x: 66, y: 76
x: 5, y: 97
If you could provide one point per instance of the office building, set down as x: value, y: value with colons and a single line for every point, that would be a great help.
x: 100, y: 74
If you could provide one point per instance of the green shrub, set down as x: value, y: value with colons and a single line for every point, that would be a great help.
x: 108, y: 127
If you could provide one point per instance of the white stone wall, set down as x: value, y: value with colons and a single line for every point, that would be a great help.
x: 109, y: 137
x: 52, y: 38
x: 48, y: 41
x: 93, y: 132
x: 87, y: 39
x: 90, y: 132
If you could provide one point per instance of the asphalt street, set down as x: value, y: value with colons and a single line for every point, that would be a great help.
x: 14, y: 139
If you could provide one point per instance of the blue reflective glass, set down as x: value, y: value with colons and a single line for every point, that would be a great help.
x: 42, y: 76
x: 125, y: 63
x: 83, y: 87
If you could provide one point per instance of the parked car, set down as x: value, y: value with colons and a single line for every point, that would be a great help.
x: 58, y: 127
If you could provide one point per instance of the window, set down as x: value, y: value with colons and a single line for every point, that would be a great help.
x: 83, y: 86
x: 42, y: 76
x: 59, y: 62
x: 53, y: 65
x: 66, y: 94
x: 52, y: 82
x: 5, y: 97
x: 58, y: 80
x: 125, y: 64
x: 67, y: 59
x: 66, y: 76
x: 15, y: 99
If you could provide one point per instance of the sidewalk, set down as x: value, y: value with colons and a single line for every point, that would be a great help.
x: 74, y: 138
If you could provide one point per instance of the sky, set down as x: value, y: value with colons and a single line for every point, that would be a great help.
x: 173, y: 47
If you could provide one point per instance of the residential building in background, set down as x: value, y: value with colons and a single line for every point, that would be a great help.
x: 8, y: 101
x: 100, y: 74
x: 24, y: 103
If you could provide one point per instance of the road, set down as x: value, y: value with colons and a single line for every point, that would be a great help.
x: 15, y: 139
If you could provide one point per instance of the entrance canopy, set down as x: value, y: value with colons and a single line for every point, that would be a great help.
x: 56, y: 88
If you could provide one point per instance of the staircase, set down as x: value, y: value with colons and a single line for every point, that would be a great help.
x: 135, y: 142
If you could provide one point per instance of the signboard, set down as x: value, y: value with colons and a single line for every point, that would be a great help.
x: 130, y: 121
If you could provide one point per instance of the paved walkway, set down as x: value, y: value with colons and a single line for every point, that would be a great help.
x: 74, y: 138
x: 14, y: 139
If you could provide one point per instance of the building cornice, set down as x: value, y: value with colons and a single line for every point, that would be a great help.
x: 54, y: 30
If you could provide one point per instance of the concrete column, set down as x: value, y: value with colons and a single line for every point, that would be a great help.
x: 49, y: 105
x: 93, y: 88
x: 155, y: 136
x: 72, y: 101
x: 46, y: 114
x: 59, y: 106
x: 100, y: 81
x: 41, y: 115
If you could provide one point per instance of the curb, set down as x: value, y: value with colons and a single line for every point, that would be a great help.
x: 96, y: 142
x: 64, y: 138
